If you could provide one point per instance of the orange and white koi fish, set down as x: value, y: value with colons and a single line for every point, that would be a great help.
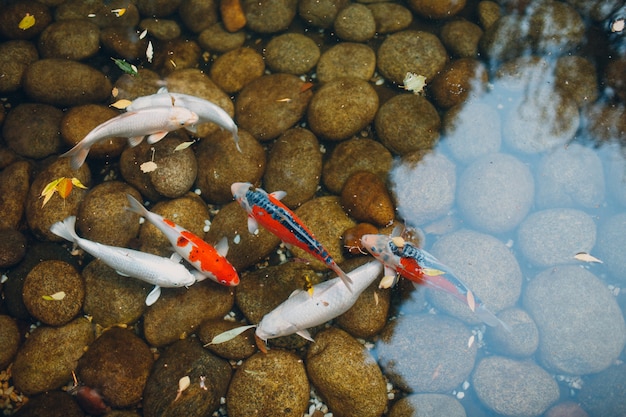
x: 210, y: 261
x: 207, y: 112
x: 156, y: 270
x: 329, y: 299
x: 154, y: 122
x: 273, y: 215
x: 401, y: 257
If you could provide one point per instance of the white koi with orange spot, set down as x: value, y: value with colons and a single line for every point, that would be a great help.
x: 154, y: 122
x: 210, y: 261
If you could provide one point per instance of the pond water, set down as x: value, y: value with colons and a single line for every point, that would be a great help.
x: 512, y: 174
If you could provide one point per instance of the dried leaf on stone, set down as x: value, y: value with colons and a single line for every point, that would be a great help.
x: 585, y: 257
x: 229, y: 335
x: 150, y: 52
x: 121, y: 104
x: 27, y: 22
x: 148, y: 167
x: 183, y: 146
x: 57, y: 296
x: 119, y: 12
x: 61, y: 185
x: 125, y: 66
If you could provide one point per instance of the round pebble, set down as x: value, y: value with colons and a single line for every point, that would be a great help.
x: 345, y: 375
x: 513, y: 388
x: 208, y: 380
x: 566, y: 409
x: 14, y: 185
x: 130, y: 161
x: 161, y: 29
x: 12, y: 14
x: 32, y: 130
x: 523, y: 339
x: 117, y: 364
x: 555, y: 27
x: 562, y: 349
x: 570, y: 177
x: 471, y: 130
x: 292, y: 53
x: 54, y: 292
x: 320, y: 13
x: 485, y: 265
x: 61, y: 82
x: 461, y: 37
x: 355, y: 23
x: 74, y: 39
x: 551, y: 237
x: 495, y: 193
x: 9, y: 340
x: 504, y: 39
x: 407, y: 123
x: 12, y: 247
x: 294, y: 165
x: 488, y: 13
x: 240, y: 347
x: 269, y: 17
x: 103, y: 217
x: 437, y: 9
x: 110, y: 298
x: 217, y: 155
x: 366, y: 198
x: 429, y: 405
x: 157, y: 8
x: 390, y: 17
x: 460, y: 79
x: 423, y: 191
x: 46, y: 359
x: 346, y: 60
x: 427, y: 57
x: 216, y: 39
x: 271, y: 104
x: 576, y: 77
x: 102, y: 14
x: 342, y: 108
x: 611, y: 241
x: 176, y: 168
x: 235, y: 69
x: 15, y: 57
x: 436, y: 340
x: 273, y: 383
x: 50, y: 402
x: 603, y: 394
x: 198, y: 15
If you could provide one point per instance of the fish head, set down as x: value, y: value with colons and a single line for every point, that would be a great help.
x: 273, y: 325
x: 381, y: 248
x: 184, y: 116
x: 240, y: 193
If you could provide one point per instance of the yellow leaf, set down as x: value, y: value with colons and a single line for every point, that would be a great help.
x: 64, y: 188
x: 78, y: 184
x: 121, y: 104
x: 585, y: 257
x: 471, y: 302
x: 118, y: 12
x: 57, y: 296
x: 51, y: 187
x: 27, y: 22
x: 183, y: 145
x: 148, y: 167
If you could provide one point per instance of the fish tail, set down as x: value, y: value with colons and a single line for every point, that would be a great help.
x: 136, y: 206
x: 489, y: 318
x: 77, y: 155
x: 66, y: 229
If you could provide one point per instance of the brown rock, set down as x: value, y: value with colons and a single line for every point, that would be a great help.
x: 117, y: 364
x: 12, y: 247
x: 14, y: 185
x: 103, y: 13
x: 461, y: 37
x: 12, y: 14
x: 390, y: 17
x: 130, y: 168
x: 295, y: 166
x: 320, y: 13
x: 457, y: 81
x: 232, y: 15
x: 283, y: 389
x: 437, y: 9
x: 217, y: 39
x: 488, y: 13
x: 342, y: 108
x: 49, y: 279
x: 366, y: 198
x: 176, y: 169
x: 157, y: 8
x: 223, y: 165
x: 355, y: 155
x: 73, y: 39
x: 292, y: 53
x: 355, y: 23
x: 576, y: 77
x: 237, y: 68
x: 198, y: 15
x: 269, y: 17
x: 32, y: 130
x: 102, y: 215
x: 346, y: 60
x: 161, y: 29
x: 271, y: 104
x: 176, y: 55
x: 15, y: 56
x: 352, y: 237
x: 9, y: 340
x: 51, y: 404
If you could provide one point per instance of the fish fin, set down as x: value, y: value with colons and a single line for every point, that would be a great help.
x: 192, y: 128
x: 253, y: 226
x: 175, y: 257
x: 490, y: 319
x: 389, y: 271
x: 295, y: 292
x: 222, y: 246
x: 136, y: 206
x: 77, y: 155
x: 66, y: 229
x: 279, y: 195
x: 305, y: 334
x: 236, y: 139
x: 122, y: 274
x: 155, y: 137
x: 153, y: 296
x: 134, y: 141
x: 162, y: 90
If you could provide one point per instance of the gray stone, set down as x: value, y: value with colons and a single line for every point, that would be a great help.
x: 427, y: 405
x: 611, y: 244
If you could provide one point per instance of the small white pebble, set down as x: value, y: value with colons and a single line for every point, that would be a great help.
x: 390, y: 395
x: 237, y: 239
x: 142, y: 220
x: 197, y: 191
x: 466, y: 385
x: 460, y: 395
x: 222, y: 400
x: 311, y: 409
x: 4, y: 279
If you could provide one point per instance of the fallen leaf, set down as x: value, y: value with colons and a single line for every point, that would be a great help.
x: 61, y: 185
x: 125, y: 66
x: 150, y: 52
x: 471, y: 302
x: 118, y: 12
x: 143, y: 34
x: 414, y: 82
x: 183, y: 146
x: 470, y: 342
x: 387, y: 281
x: 121, y: 104
x: 585, y: 257
x: 229, y: 335
x: 57, y: 296
x: 27, y: 22
x: 148, y: 167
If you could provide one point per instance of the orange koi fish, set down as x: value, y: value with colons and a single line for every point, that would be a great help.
x: 419, y: 266
x: 210, y: 261
x: 267, y: 210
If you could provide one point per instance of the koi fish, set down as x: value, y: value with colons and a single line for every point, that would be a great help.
x: 419, y: 266
x: 267, y: 209
x: 329, y: 299
x: 162, y: 272
x: 154, y: 122
x: 207, y: 112
x: 208, y: 260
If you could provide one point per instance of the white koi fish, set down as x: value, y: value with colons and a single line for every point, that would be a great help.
x: 162, y: 272
x: 208, y: 260
x: 415, y: 264
x: 154, y: 122
x: 207, y: 112
x: 328, y: 300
